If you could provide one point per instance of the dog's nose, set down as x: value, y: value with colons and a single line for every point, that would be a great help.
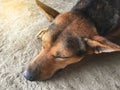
x: 28, y: 76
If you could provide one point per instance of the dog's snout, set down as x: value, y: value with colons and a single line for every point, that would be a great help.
x: 29, y: 76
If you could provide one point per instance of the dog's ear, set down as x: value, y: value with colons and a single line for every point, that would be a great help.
x: 48, y: 11
x: 41, y: 33
x: 100, y: 44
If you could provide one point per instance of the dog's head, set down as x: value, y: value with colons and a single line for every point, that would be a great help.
x: 67, y: 40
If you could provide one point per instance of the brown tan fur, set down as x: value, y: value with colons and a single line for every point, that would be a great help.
x: 69, y: 39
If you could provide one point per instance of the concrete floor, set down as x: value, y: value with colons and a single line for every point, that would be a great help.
x: 20, y: 21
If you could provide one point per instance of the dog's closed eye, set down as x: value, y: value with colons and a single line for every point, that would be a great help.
x: 61, y: 57
x: 58, y: 55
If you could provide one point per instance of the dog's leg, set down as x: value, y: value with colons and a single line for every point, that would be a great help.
x: 41, y: 32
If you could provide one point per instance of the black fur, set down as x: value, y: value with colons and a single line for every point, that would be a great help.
x: 76, y: 45
x: 104, y: 14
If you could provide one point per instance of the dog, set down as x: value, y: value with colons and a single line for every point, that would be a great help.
x: 90, y: 27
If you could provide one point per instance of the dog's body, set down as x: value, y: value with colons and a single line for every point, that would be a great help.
x: 86, y: 29
x: 105, y: 14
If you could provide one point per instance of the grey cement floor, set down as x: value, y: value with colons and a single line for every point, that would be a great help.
x: 20, y: 21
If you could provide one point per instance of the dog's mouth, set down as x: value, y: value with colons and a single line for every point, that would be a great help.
x: 59, y: 71
x: 56, y: 74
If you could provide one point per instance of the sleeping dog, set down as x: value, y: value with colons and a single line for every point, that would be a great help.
x: 90, y: 27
